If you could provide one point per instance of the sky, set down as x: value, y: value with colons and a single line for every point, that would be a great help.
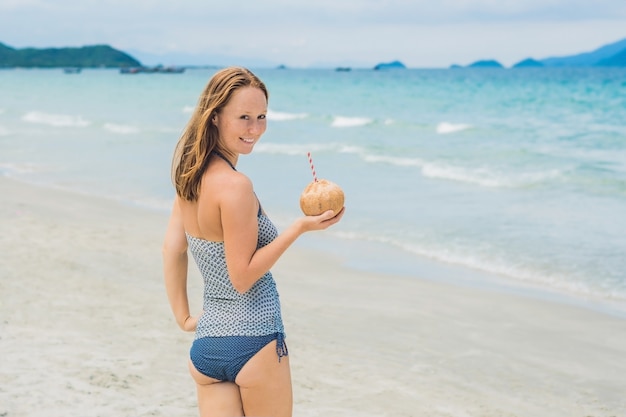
x: 318, y: 33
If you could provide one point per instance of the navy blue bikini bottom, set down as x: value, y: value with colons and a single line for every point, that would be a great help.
x: 223, y: 357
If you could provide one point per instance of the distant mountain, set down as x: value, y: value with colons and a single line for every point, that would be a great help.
x: 589, y: 59
x: 390, y: 65
x: 529, y: 63
x: 488, y: 63
x: 199, y: 60
x: 96, y: 56
x: 617, y: 60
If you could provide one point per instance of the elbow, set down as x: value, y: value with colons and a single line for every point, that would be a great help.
x: 173, y: 250
x: 182, y: 323
x: 242, y: 282
x: 240, y: 287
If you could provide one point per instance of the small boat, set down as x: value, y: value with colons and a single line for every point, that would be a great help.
x: 131, y: 70
x: 152, y: 70
x: 172, y: 70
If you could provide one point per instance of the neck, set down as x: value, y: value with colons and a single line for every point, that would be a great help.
x: 221, y: 155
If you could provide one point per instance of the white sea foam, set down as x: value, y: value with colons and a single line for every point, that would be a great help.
x: 55, y: 120
x: 166, y: 129
x: 340, y: 121
x: 121, y: 129
x: 351, y: 149
x: 286, y: 149
x: 486, y: 177
x: 392, y: 160
x: 12, y: 169
x: 154, y: 204
x: 303, y: 148
x: 282, y: 116
x: 483, y: 259
x: 189, y: 109
x: 486, y: 259
x: 445, y: 127
x: 481, y: 176
x: 4, y: 131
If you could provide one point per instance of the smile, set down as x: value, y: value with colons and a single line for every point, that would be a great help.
x: 247, y: 140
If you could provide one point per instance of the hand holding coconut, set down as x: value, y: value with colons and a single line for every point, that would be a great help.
x: 321, y: 195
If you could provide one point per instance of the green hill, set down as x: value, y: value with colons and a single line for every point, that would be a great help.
x: 96, y: 56
x: 528, y: 63
x: 489, y: 63
x: 617, y: 60
x: 605, y: 55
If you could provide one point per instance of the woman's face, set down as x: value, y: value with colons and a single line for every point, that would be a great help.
x: 242, y: 121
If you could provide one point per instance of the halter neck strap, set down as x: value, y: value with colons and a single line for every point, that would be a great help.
x: 218, y: 153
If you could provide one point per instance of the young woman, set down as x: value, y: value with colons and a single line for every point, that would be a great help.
x: 239, y: 356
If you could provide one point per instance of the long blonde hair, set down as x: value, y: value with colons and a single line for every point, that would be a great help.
x: 201, y: 136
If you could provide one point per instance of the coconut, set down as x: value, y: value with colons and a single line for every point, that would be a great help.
x: 320, y: 196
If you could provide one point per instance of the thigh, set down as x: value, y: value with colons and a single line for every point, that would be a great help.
x: 216, y: 398
x: 265, y: 384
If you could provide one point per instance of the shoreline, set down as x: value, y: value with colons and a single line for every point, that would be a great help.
x: 382, y: 259
x: 368, y: 256
x: 82, y: 292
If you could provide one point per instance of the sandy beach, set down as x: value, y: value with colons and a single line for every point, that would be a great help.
x: 86, y: 330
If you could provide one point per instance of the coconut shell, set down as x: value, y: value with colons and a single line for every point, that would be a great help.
x: 320, y: 196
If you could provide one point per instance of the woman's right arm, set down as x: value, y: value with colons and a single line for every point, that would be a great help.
x: 175, y: 269
x: 246, y: 264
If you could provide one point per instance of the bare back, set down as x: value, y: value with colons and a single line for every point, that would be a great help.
x: 203, y: 218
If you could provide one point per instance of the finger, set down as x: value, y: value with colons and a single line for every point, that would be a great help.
x: 327, y: 215
x: 339, y: 214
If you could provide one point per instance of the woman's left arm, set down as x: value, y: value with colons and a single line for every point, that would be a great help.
x: 175, y: 265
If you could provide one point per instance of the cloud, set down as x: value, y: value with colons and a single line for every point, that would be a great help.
x: 303, y: 33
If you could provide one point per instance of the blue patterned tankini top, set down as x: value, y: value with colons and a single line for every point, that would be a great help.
x: 227, y: 312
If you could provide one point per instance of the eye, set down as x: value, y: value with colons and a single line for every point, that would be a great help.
x: 262, y: 117
x: 245, y: 117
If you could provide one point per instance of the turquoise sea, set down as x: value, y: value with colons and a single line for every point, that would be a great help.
x: 507, y: 177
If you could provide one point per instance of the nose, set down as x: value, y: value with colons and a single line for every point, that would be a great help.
x: 257, y: 126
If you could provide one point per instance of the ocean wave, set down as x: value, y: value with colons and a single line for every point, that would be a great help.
x: 481, y: 176
x: 392, y: 160
x: 55, y: 120
x: 17, y: 171
x: 152, y: 204
x: 12, y: 169
x: 340, y: 121
x: 282, y: 116
x: 292, y: 149
x: 4, y: 131
x: 486, y: 177
x: 189, y: 109
x: 483, y: 259
x: 303, y: 148
x: 445, y: 127
x: 121, y: 129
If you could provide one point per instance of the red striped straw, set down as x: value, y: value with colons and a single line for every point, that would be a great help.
x: 312, y: 167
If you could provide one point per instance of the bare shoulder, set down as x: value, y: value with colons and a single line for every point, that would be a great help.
x: 237, y: 188
x: 227, y: 186
x: 238, y: 181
